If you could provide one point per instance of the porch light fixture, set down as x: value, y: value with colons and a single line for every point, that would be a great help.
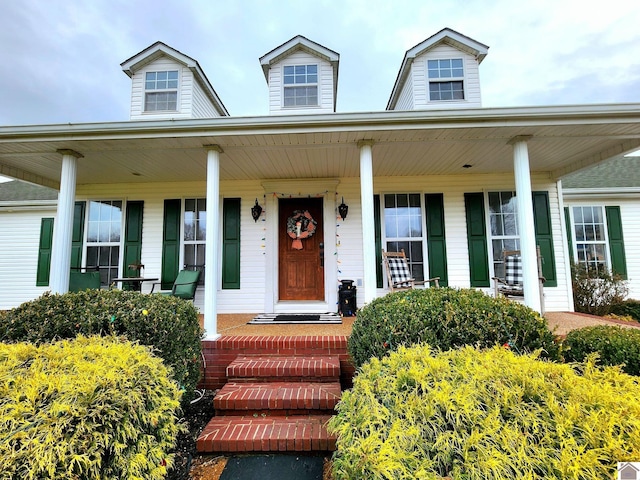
x: 256, y: 211
x: 343, y: 209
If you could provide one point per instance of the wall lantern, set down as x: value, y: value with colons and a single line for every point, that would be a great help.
x: 343, y: 209
x: 256, y: 211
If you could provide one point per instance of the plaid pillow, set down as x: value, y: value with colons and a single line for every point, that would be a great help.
x: 400, y: 273
x: 513, y: 271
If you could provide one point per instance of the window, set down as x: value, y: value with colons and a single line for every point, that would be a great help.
x: 104, y: 227
x: 195, y: 234
x: 503, y: 219
x: 403, y: 229
x: 446, y: 79
x: 300, y: 85
x: 589, y: 232
x: 161, y: 91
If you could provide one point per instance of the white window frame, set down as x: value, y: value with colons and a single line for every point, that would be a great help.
x: 196, y: 242
x: 605, y: 230
x: 508, y: 241
x: 91, y: 244
x: 441, y: 80
x: 421, y: 273
x: 166, y: 90
x: 306, y: 85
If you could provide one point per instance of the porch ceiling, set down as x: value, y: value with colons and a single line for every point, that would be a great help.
x: 405, y: 144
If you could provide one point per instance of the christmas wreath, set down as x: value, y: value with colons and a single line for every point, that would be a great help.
x: 300, y: 225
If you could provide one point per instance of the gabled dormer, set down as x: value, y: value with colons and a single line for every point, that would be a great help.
x: 440, y: 72
x: 302, y: 77
x: 167, y: 84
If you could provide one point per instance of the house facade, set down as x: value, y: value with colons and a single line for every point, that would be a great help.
x: 449, y: 182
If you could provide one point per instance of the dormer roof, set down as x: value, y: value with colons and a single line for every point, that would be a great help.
x: 158, y: 50
x: 444, y: 36
x: 300, y: 42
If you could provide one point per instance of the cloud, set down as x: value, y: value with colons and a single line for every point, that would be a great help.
x: 60, y: 60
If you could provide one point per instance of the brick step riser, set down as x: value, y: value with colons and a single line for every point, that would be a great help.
x: 273, y: 413
x: 307, y: 403
x: 279, y: 378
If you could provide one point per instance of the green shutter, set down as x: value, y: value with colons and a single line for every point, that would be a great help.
x: 567, y: 225
x: 231, y: 243
x: 77, y: 237
x: 170, y: 243
x: 378, y: 234
x: 436, y: 242
x: 616, y: 241
x: 544, y: 237
x: 44, y: 252
x: 477, y: 239
x: 132, y: 238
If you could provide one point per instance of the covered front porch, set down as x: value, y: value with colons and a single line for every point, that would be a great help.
x: 448, y: 165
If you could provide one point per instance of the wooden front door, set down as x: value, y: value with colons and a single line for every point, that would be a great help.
x: 300, y: 271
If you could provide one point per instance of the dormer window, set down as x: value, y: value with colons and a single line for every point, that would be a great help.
x: 161, y: 91
x: 300, y: 85
x: 446, y: 79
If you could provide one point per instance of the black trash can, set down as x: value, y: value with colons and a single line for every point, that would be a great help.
x: 347, y: 298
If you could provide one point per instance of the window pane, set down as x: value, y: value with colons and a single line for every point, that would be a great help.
x: 312, y: 69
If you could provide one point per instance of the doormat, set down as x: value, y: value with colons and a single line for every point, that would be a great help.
x: 273, y: 467
x: 314, y: 318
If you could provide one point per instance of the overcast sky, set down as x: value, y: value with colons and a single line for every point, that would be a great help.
x: 60, y: 59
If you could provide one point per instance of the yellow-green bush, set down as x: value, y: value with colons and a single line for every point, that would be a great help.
x: 168, y: 324
x: 89, y: 408
x: 472, y: 414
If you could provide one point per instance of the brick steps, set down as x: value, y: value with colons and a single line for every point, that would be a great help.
x: 272, y: 434
x: 284, y: 368
x: 278, y: 395
x: 271, y: 398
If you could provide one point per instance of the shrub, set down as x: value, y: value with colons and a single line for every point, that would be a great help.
x: 596, y: 291
x: 486, y: 415
x: 100, y: 408
x: 168, y: 324
x: 614, y: 346
x: 627, y: 308
x: 447, y: 318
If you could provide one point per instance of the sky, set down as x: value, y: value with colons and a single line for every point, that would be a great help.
x: 60, y: 59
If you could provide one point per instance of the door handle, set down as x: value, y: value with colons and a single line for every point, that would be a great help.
x: 321, y: 247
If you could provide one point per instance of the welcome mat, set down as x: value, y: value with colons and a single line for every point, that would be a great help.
x: 273, y: 467
x: 313, y: 318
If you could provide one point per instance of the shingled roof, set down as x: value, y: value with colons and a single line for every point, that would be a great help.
x: 17, y: 191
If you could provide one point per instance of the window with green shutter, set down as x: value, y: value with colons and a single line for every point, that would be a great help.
x: 436, y: 240
x: 477, y: 239
x: 44, y: 252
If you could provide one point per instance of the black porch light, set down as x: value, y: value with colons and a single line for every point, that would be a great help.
x: 343, y: 209
x: 256, y: 211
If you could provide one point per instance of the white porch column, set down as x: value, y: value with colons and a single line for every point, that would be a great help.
x: 63, y: 226
x: 368, y: 223
x: 212, y: 243
x: 526, y: 225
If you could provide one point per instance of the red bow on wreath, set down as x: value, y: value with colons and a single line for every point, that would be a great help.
x: 300, y: 225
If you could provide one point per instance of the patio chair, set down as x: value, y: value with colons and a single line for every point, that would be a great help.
x: 511, y: 284
x: 399, y: 274
x: 184, y: 286
x: 80, y: 280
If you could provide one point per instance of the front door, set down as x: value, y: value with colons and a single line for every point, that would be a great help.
x: 300, y: 249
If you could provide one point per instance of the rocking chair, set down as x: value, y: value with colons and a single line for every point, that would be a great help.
x: 399, y: 274
x: 511, y: 285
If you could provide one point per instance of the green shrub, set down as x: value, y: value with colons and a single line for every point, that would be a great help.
x: 447, y: 318
x: 614, y: 346
x: 99, y: 408
x: 168, y: 324
x: 484, y: 415
x: 627, y: 308
x: 596, y: 292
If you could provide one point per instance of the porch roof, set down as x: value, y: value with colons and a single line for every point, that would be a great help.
x: 406, y: 143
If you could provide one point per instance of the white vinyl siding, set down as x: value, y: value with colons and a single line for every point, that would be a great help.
x: 420, y: 79
x: 325, y: 85
x: 19, y: 242
x: 405, y: 100
x: 201, y: 104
